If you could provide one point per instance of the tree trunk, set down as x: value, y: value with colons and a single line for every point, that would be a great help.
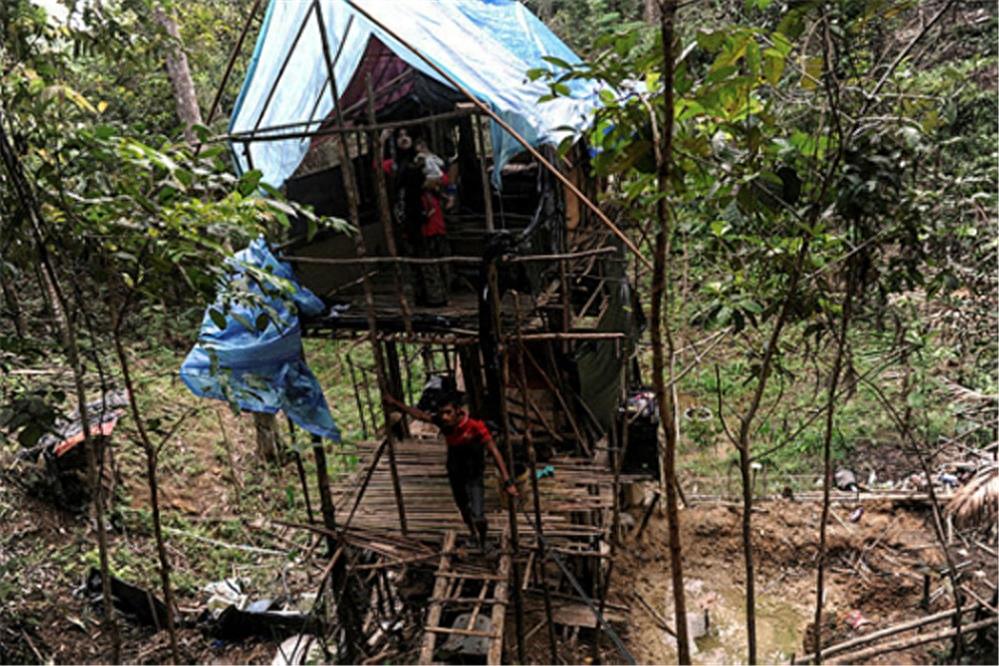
x: 267, y: 437
x: 13, y: 303
x: 154, y: 501
x: 664, y: 398
x: 827, y: 457
x: 180, y: 75
x: 651, y: 12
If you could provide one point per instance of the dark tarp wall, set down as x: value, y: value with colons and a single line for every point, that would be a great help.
x: 599, y: 362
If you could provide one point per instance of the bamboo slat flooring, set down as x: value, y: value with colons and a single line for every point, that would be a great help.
x: 573, y: 502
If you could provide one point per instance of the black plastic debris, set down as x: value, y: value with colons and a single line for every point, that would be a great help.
x: 135, y: 603
x: 261, y: 620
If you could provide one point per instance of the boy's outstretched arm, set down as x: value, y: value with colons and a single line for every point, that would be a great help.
x: 418, y: 414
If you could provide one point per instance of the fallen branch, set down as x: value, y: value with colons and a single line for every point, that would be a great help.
x: 863, y: 655
x: 875, y: 635
x: 659, y: 619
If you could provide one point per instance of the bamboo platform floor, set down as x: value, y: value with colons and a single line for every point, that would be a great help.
x: 460, y: 316
x: 575, y: 502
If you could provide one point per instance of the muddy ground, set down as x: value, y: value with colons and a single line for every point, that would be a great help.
x: 876, y: 566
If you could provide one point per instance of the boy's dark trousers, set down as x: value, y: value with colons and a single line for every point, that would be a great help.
x: 469, y: 495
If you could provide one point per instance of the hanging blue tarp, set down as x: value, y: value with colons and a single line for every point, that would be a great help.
x: 263, y: 371
x: 486, y: 45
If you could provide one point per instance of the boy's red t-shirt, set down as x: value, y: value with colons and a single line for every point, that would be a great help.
x: 469, y: 431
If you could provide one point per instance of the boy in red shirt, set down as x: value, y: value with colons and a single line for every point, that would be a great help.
x: 467, y: 440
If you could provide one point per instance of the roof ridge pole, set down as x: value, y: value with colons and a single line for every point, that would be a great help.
x: 384, y: 210
x: 350, y: 189
x: 506, y: 126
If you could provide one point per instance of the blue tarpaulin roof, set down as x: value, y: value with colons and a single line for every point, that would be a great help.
x: 485, y: 45
x: 263, y: 371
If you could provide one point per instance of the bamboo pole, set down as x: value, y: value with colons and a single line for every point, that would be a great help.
x: 502, y: 350
x: 325, y: 498
x: 232, y: 61
x: 832, y: 650
x: 301, y: 470
x: 574, y: 336
x: 350, y: 188
x: 558, y: 396
x: 256, y: 136
x: 862, y: 655
x: 506, y: 126
x: 363, y: 260
x: 357, y: 397
x: 384, y: 211
x: 532, y: 462
x: 487, y: 192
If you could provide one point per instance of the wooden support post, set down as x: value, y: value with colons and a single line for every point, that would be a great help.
x: 301, y: 470
x: 357, y: 397
x: 385, y: 211
x: 617, y: 460
x: 395, y: 379
x: 325, y: 498
x: 566, y: 302
x: 495, y: 655
x: 561, y: 400
x: 350, y: 188
x: 487, y: 190
x: 532, y: 462
x: 503, y: 350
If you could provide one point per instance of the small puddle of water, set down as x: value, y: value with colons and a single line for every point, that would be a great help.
x: 779, y: 629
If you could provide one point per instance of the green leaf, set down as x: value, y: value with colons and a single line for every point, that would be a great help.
x: 773, y: 66
x: 811, y: 72
x: 217, y: 318
x: 536, y: 73
x: 561, y: 89
x: 710, y: 41
x: 558, y: 62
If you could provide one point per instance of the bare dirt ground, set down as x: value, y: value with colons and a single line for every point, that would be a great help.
x: 875, y: 566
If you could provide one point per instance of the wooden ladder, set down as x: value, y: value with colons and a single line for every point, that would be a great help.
x: 448, y: 586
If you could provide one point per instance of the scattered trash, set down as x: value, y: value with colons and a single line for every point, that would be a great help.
x: 135, y: 603
x: 856, y: 514
x: 855, y: 619
x: 232, y: 616
x: 949, y: 480
x: 469, y: 646
x: 225, y: 593
x: 298, y: 649
x: 697, y: 413
x: 546, y: 471
x: 872, y: 479
x: 698, y: 624
x: 262, y: 619
x: 846, y: 480
x: 55, y: 468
